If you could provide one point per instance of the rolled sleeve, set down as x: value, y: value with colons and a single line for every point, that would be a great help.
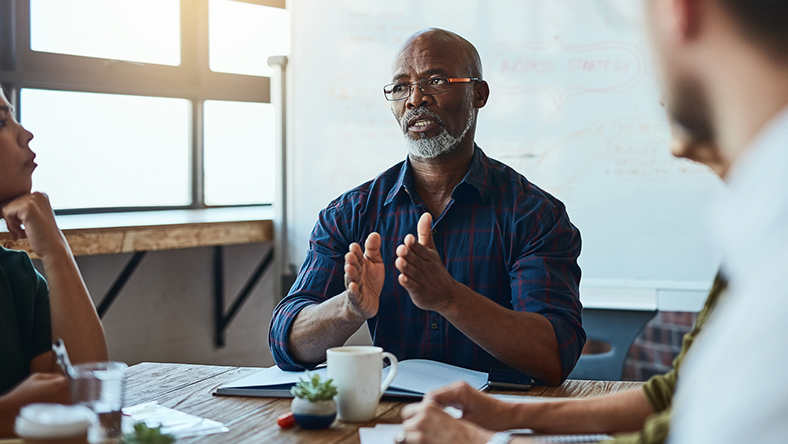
x: 320, y: 278
x: 545, y: 279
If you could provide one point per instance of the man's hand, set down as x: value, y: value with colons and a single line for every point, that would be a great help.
x: 476, y: 407
x: 30, y: 216
x: 427, y: 422
x: 364, y: 277
x: 422, y: 273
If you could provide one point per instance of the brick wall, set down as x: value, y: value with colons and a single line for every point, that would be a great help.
x: 657, y: 345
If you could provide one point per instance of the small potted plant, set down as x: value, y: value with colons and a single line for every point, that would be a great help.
x: 313, y: 403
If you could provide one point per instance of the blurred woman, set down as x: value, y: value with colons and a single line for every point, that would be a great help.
x: 32, y: 312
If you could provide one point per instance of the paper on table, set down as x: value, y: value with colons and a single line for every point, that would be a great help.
x: 380, y: 434
x: 172, y: 422
x: 422, y: 375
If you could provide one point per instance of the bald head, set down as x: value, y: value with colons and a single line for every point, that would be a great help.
x: 446, y: 42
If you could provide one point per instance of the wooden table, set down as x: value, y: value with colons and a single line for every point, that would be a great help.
x: 190, y: 388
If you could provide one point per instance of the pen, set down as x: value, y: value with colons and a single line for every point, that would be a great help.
x: 61, y: 356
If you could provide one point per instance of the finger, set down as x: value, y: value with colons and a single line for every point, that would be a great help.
x: 408, y: 284
x: 352, y: 259
x: 410, y: 410
x: 411, y: 270
x: 372, y: 248
x: 351, y: 274
x: 418, y: 250
x: 455, y: 395
x: 353, y: 290
x: 356, y: 250
x: 402, y: 250
x: 14, y: 225
x: 424, y: 229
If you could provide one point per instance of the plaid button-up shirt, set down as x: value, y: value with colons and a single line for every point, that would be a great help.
x: 500, y: 235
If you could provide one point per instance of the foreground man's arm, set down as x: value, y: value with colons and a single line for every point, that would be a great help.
x: 525, y: 340
x: 482, y: 415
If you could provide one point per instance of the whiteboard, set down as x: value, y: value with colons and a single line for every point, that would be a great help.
x: 573, y: 107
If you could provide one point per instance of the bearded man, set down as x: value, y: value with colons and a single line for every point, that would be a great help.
x: 491, y: 278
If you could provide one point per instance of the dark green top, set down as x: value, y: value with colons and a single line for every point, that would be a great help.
x: 25, y: 327
x: 660, y: 388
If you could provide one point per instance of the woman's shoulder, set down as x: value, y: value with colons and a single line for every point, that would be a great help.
x: 16, y: 262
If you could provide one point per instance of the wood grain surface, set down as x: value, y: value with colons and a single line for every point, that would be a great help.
x: 190, y: 388
x: 113, y: 240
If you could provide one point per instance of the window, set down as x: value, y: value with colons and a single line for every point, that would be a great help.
x: 145, y: 104
x: 118, y: 30
x: 236, y: 147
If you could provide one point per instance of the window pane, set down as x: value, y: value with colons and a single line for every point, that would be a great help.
x: 145, y: 31
x: 239, y: 153
x: 107, y: 150
x: 242, y: 36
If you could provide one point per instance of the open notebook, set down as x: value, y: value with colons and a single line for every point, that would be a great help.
x: 415, y: 377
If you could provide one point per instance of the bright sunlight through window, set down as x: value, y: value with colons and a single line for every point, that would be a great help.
x: 146, y: 31
x: 108, y: 150
x: 242, y: 36
x: 239, y: 153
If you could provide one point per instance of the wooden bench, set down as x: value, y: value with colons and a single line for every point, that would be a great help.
x: 140, y: 232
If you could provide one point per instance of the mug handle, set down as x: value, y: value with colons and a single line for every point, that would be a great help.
x: 392, y: 373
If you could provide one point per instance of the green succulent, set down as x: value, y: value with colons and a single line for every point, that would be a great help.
x: 146, y: 435
x: 313, y: 390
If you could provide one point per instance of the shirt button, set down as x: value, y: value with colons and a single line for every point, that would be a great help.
x: 434, y: 325
x: 434, y: 230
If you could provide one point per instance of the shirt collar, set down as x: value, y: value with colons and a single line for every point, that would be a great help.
x: 478, y: 176
x: 749, y: 215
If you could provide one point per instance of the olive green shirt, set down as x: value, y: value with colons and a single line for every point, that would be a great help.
x: 25, y: 326
x: 660, y: 388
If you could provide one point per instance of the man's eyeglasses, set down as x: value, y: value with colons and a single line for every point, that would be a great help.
x: 431, y: 86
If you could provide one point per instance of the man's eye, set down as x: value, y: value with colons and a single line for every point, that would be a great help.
x: 399, y: 87
x: 438, y: 81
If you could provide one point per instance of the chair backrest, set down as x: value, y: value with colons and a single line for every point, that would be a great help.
x: 619, y: 328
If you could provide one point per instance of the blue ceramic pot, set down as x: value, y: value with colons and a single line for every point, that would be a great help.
x: 313, y: 415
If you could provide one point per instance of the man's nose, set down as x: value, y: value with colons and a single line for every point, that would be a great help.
x: 417, y: 98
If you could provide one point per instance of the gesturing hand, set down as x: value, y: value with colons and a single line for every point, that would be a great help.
x: 423, y: 274
x: 30, y: 216
x: 364, y: 277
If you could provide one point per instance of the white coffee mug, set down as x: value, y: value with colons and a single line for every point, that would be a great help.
x: 356, y: 371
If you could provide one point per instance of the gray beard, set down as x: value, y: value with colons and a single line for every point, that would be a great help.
x: 432, y: 147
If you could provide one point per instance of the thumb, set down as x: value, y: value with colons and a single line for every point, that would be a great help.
x: 425, y: 230
x: 372, y: 248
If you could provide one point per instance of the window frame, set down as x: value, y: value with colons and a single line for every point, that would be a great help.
x: 193, y: 80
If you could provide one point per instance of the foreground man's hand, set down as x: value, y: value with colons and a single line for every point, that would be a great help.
x: 426, y: 422
x: 477, y: 407
x: 364, y: 277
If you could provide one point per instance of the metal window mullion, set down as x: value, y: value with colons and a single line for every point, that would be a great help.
x: 198, y: 155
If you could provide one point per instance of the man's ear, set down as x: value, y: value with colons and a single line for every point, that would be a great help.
x: 481, y: 92
x: 686, y: 17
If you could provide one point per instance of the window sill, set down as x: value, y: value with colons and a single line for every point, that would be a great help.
x: 113, y: 233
